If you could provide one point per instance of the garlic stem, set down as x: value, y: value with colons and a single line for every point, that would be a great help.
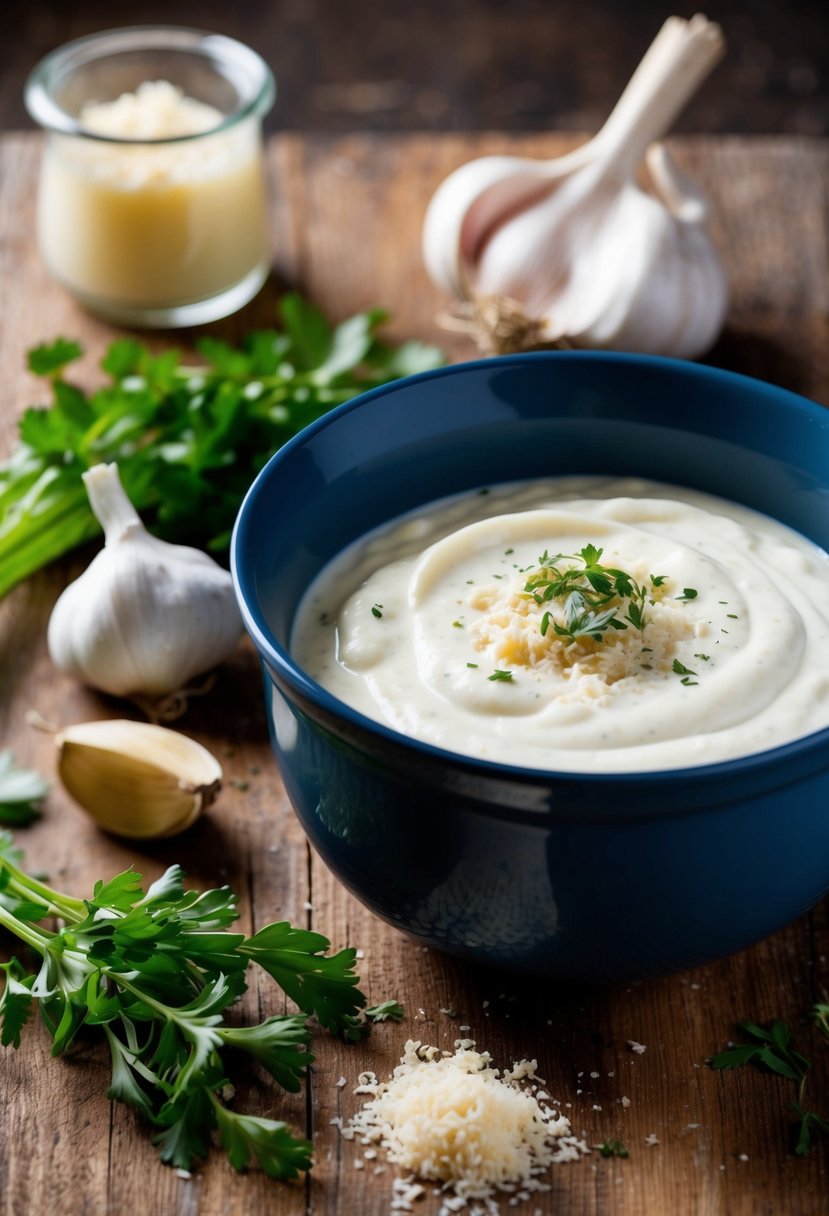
x: 109, y: 502
x: 677, y: 61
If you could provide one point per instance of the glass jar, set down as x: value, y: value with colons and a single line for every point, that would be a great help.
x: 143, y: 224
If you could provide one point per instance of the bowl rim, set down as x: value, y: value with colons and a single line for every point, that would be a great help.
x: 289, y: 673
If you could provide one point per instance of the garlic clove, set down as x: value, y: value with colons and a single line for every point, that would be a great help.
x: 685, y: 200
x: 135, y: 779
x: 146, y: 616
x: 472, y: 201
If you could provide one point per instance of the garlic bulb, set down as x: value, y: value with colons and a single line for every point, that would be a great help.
x: 577, y: 251
x: 145, y: 616
x: 135, y: 779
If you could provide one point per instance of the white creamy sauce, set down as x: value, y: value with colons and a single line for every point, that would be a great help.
x: 409, y: 625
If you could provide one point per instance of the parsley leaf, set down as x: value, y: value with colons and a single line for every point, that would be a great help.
x: 21, y: 792
x: 613, y: 1148
x: 771, y: 1048
x: 386, y: 1011
x: 680, y: 669
x: 46, y: 359
x: 278, y: 1045
x: 15, y: 1003
x: 322, y: 984
x: 279, y: 1154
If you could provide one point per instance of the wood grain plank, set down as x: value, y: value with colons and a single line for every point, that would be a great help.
x: 346, y: 217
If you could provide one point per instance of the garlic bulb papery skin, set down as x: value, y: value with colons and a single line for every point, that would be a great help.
x: 581, y: 251
x: 145, y: 616
x: 136, y: 779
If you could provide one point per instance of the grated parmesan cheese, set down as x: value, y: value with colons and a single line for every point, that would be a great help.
x: 456, y: 1120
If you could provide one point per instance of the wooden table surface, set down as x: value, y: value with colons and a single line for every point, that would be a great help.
x: 346, y: 216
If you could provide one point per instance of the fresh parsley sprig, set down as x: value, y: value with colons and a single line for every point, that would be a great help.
x: 156, y: 971
x: 188, y: 440
x: 772, y: 1048
x: 592, y: 598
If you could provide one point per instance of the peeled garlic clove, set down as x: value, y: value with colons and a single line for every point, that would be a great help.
x: 135, y: 779
x: 145, y: 616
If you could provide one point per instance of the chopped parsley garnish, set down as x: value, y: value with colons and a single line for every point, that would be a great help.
x: 593, y: 598
x: 732, y: 616
x: 688, y: 593
x: 704, y: 657
x: 500, y: 675
x: 657, y: 580
x: 508, y: 551
x: 457, y: 625
x: 613, y: 1148
x: 472, y: 664
x: 375, y: 610
x: 686, y: 673
x: 680, y: 669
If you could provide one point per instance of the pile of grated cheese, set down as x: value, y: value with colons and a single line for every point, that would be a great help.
x: 454, y: 1119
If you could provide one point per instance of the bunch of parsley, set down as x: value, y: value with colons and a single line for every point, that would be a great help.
x: 155, y: 973
x: 188, y: 441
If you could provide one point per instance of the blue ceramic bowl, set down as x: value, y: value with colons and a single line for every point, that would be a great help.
x: 597, y: 877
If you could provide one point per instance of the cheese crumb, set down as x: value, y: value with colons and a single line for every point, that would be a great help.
x: 651, y: 1140
x: 457, y: 1120
x: 639, y: 1048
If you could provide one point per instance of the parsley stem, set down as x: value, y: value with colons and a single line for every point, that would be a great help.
x: 27, y: 933
x: 40, y: 534
x: 59, y: 905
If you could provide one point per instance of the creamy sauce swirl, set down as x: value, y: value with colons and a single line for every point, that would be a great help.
x: 428, y: 626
